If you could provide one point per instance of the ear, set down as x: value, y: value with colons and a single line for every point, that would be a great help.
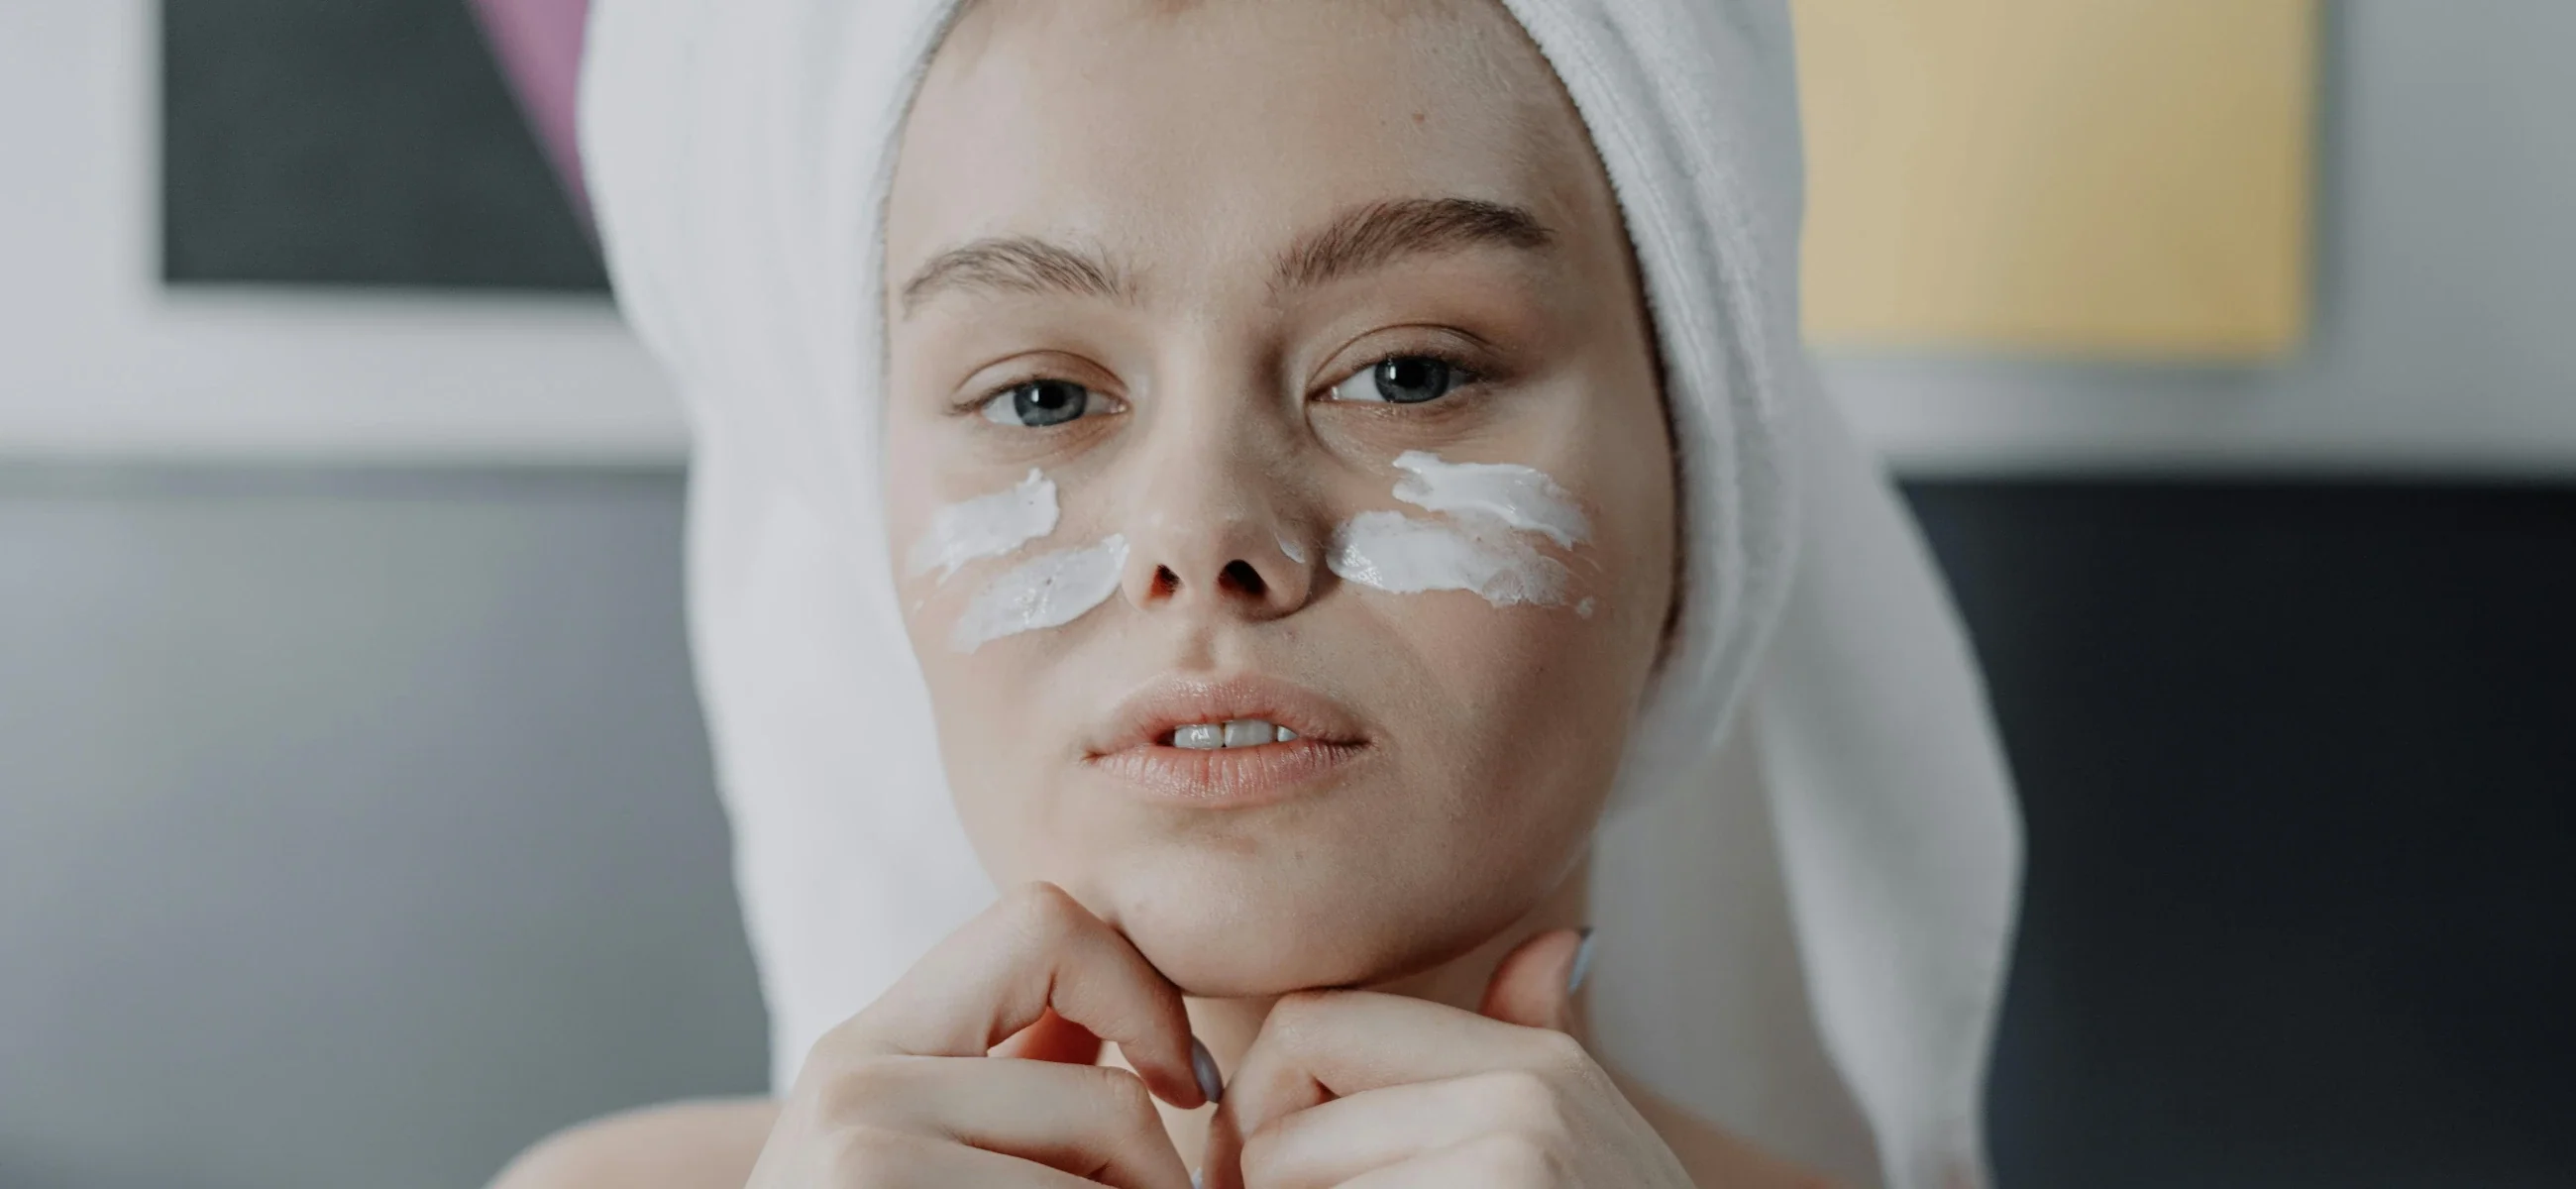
x: 1534, y: 987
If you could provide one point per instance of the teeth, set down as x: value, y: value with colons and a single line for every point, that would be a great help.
x: 1240, y: 732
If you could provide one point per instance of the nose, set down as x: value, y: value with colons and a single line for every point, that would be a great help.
x: 1215, y: 527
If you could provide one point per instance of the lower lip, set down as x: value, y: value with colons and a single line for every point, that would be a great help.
x: 1229, y: 777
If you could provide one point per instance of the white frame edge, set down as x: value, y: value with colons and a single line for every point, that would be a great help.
x: 99, y: 359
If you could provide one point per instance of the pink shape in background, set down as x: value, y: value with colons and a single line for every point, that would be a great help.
x: 538, y: 43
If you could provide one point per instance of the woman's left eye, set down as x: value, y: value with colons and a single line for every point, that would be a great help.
x: 1402, y: 380
x: 1037, y: 404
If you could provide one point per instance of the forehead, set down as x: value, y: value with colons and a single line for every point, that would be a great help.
x: 1220, y: 128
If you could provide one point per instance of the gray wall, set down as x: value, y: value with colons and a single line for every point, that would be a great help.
x: 355, y: 829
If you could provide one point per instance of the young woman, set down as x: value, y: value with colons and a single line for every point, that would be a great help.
x: 1319, y: 502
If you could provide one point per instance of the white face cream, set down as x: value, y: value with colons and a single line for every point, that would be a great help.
x: 1409, y: 555
x: 985, y: 526
x: 1518, y: 496
x: 1049, y: 590
x: 1484, y: 542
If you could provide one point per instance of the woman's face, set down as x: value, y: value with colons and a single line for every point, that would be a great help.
x: 1200, y: 317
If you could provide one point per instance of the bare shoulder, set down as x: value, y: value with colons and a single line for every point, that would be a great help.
x: 699, y: 1144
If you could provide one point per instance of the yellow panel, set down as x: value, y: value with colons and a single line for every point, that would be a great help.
x: 2086, y: 177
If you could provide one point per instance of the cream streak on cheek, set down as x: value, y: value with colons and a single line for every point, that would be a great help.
x: 985, y: 526
x: 1049, y: 590
x: 1403, y: 554
x: 1483, y: 542
x: 1518, y: 496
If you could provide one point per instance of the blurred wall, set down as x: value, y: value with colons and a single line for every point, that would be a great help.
x: 2445, y: 267
x: 356, y: 828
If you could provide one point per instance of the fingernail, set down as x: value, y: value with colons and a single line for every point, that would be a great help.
x: 1582, y: 963
x: 1204, y: 1067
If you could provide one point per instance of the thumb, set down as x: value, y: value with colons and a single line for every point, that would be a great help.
x: 1535, y: 985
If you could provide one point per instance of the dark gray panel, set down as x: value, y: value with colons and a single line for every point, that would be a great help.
x: 2299, y: 770
x: 353, y: 142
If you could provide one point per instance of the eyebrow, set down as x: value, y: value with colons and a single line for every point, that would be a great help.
x: 1017, y: 264
x: 1370, y: 237
x: 1359, y: 240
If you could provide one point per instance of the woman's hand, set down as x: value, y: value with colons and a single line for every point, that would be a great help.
x: 904, y: 1093
x: 1369, y: 1091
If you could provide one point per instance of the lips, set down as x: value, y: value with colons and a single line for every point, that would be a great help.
x: 1225, y: 742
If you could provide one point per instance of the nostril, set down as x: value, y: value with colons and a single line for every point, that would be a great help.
x: 1166, y: 583
x: 1241, y: 576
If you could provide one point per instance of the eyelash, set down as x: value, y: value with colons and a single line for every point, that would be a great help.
x: 973, y: 405
x: 1470, y: 376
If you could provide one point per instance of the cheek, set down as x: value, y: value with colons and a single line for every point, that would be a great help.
x: 1515, y: 717
x: 910, y: 495
x: 979, y: 707
x: 973, y: 695
x: 1541, y: 698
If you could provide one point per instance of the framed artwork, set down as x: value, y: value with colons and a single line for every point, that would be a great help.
x: 2109, y: 178
x: 325, y: 142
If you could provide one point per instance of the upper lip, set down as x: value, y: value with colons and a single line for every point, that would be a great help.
x: 1152, y: 712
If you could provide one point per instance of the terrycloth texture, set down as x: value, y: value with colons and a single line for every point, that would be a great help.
x: 1805, y: 892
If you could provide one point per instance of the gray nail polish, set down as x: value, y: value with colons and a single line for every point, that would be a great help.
x: 1203, y: 1066
x: 1582, y: 963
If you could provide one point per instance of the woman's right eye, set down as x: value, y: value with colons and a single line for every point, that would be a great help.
x: 1037, y: 404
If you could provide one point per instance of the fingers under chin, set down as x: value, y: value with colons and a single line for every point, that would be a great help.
x: 1319, y: 1045
x: 1339, y: 1140
x: 1037, y: 952
x: 1090, y: 1121
x: 1501, y: 1160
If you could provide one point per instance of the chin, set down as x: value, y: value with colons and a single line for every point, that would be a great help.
x: 1223, y: 934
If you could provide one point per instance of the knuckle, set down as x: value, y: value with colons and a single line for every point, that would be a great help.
x: 1261, y: 1155
x: 1041, y: 904
x: 860, y: 1089
x: 1122, y: 1094
x: 827, y: 1049
x: 866, y: 1156
x: 1298, y: 1013
x: 1558, y: 1051
x: 1511, y: 1160
x: 1043, y: 916
x: 1524, y: 1101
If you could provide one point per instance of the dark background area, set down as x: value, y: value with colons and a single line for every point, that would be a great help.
x: 353, y: 142
x: 2296, y: 758
x: 2298, y: 764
